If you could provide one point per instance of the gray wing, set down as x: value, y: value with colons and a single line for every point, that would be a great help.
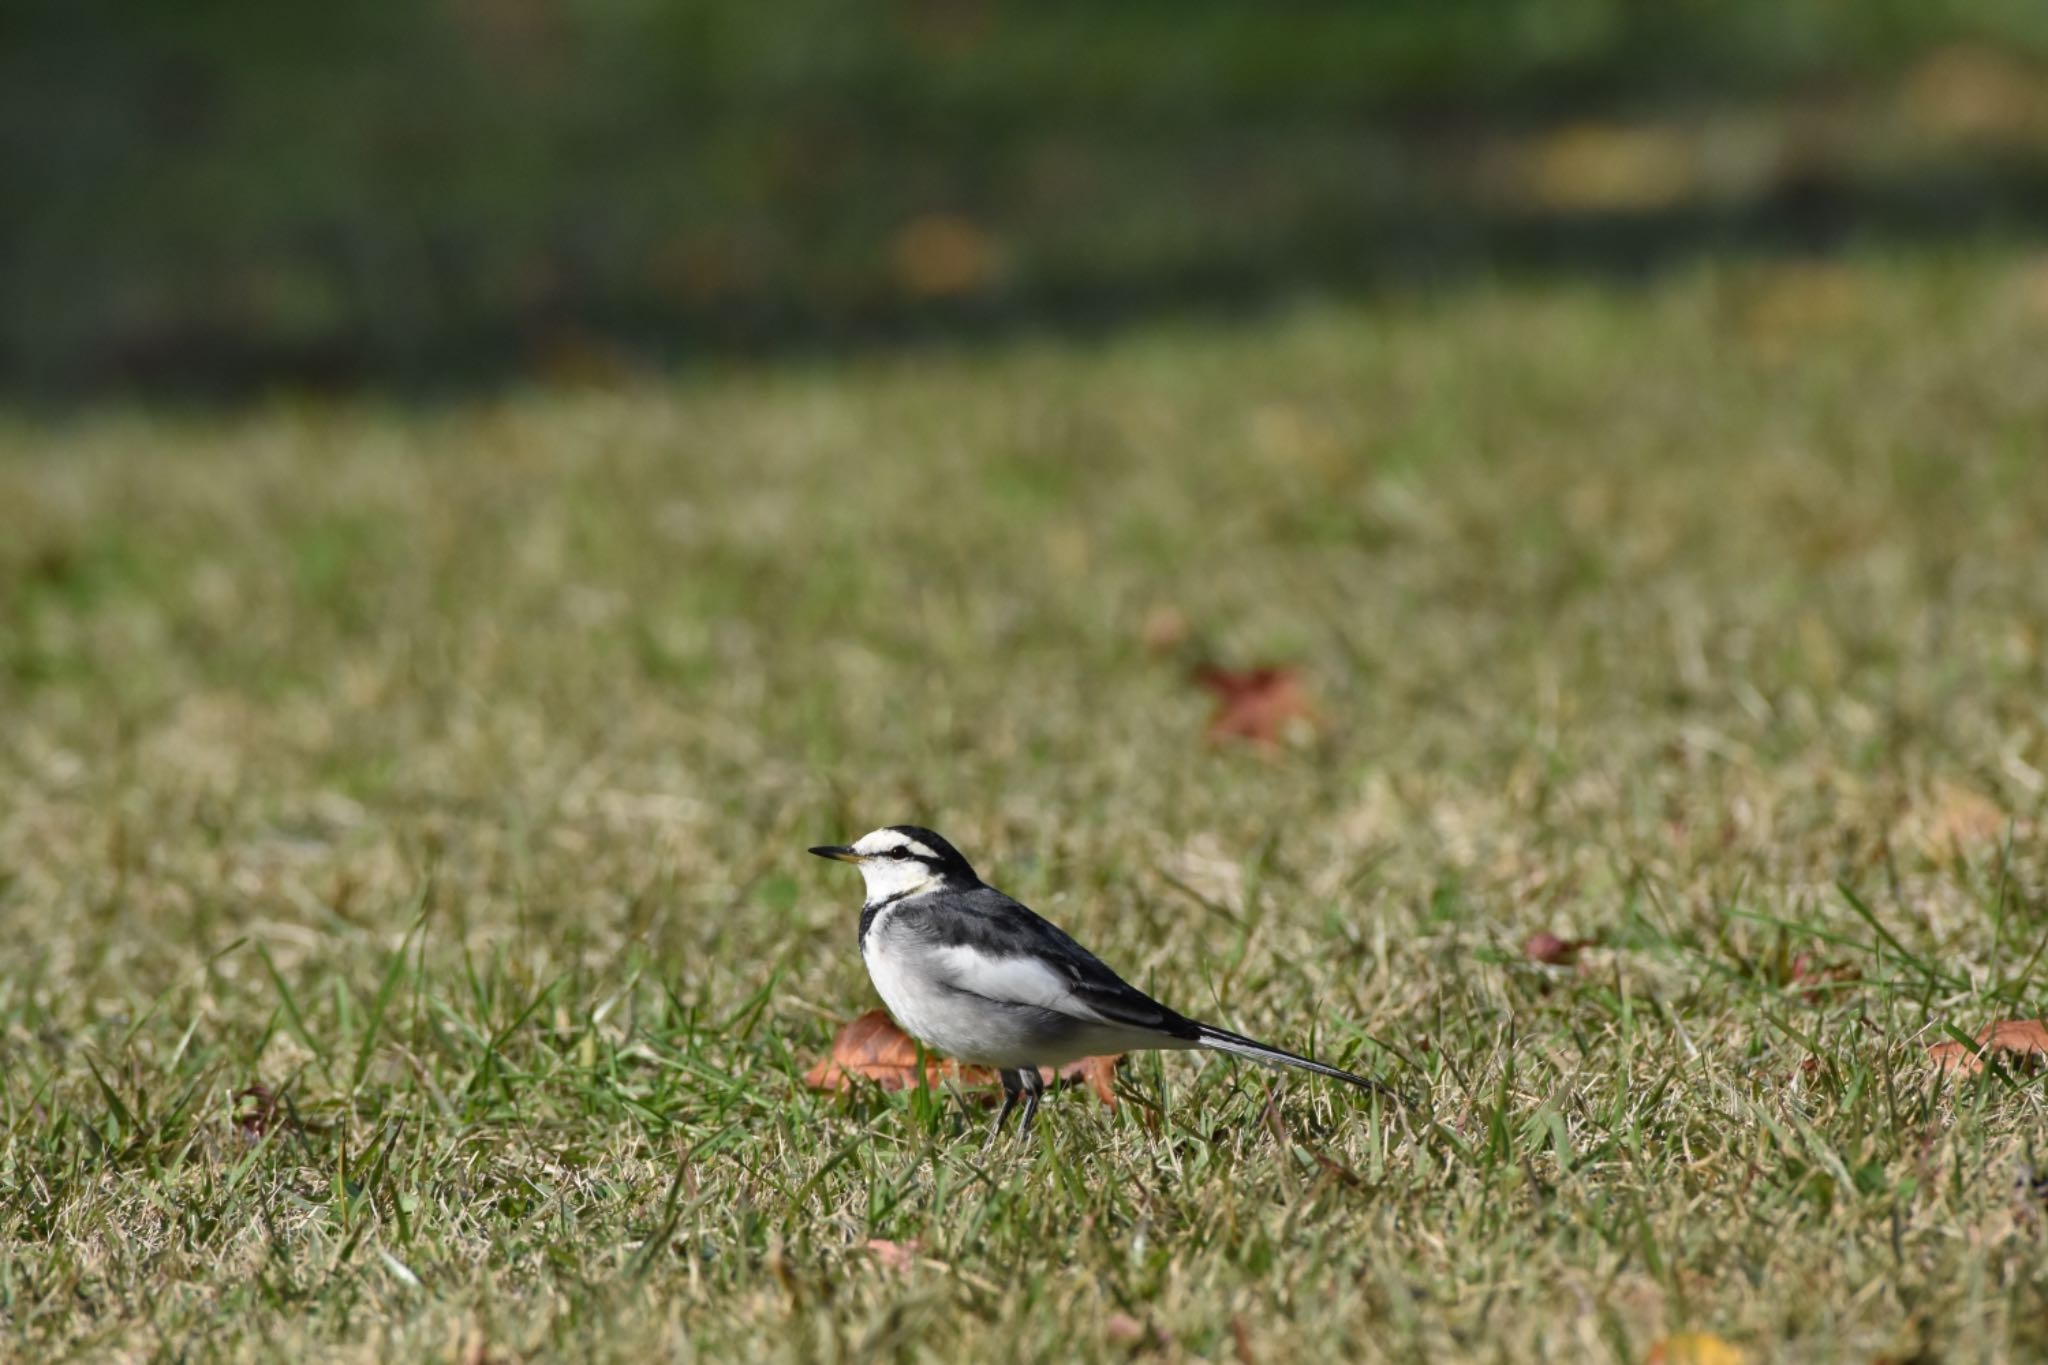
x: 987, y: 944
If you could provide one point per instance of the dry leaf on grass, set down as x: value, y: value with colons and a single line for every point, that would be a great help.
x: 2027, y: 1038
x: 872, y: 1048
x: 1553, y: 951
x: 1263, y: 705
x: 1693, y: 1348
x: 893, y: 1255
x: 1098, y: 1072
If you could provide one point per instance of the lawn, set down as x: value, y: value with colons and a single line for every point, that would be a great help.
x: 412, y: 953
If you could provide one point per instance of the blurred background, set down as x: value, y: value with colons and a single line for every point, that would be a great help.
x: 214, y: 198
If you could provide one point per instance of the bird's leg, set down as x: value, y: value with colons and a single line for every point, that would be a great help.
x: 1012, y: 1089
x: 1034, y: 1086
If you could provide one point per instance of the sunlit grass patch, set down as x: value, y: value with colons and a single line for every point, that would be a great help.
x: 446, y: 775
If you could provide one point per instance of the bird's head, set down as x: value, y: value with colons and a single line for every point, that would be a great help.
x: 903, y: 860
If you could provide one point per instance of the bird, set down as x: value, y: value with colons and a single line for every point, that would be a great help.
x: 980, y: 977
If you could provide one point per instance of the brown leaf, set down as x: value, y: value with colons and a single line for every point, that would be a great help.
x: 893, y: 1255
x: 2027, y: 1038
x: 1547, y: 948
x: 1263, y: 705
x: 1097, y: 1072
x: 872, y: 1048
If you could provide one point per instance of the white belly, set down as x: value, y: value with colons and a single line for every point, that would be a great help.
x: 1008, y: 1016
x: 946, y: 1021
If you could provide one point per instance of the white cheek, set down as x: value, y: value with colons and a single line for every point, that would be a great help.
x: 893, y: 876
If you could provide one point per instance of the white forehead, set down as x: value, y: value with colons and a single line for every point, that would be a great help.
x: 889, y: 840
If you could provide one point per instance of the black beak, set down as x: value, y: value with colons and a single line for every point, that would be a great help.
x: 837, y: 852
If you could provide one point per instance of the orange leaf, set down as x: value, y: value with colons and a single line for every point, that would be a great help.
x: 1098, y: 1072
x: 872, y: 1048
x: 2026, y: 1037
x: 1264, y: 705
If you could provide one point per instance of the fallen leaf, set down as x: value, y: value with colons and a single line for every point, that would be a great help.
x: 893, y: 1255
x: 872, y: 1048
x: 1547, y: 948
x: 2027, y: 1038
x: 1263, y: 705
x: 1098, y: 1072
x: 1693, y: 1348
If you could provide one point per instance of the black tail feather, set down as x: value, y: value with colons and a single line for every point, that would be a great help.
x: 1223, y: 1040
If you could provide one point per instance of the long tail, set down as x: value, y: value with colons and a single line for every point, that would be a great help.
x: 1223, y: 1040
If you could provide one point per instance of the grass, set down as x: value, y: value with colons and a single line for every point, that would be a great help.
x: 447, y: 773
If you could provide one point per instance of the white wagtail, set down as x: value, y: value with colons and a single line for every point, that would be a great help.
x: 975, y: 975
